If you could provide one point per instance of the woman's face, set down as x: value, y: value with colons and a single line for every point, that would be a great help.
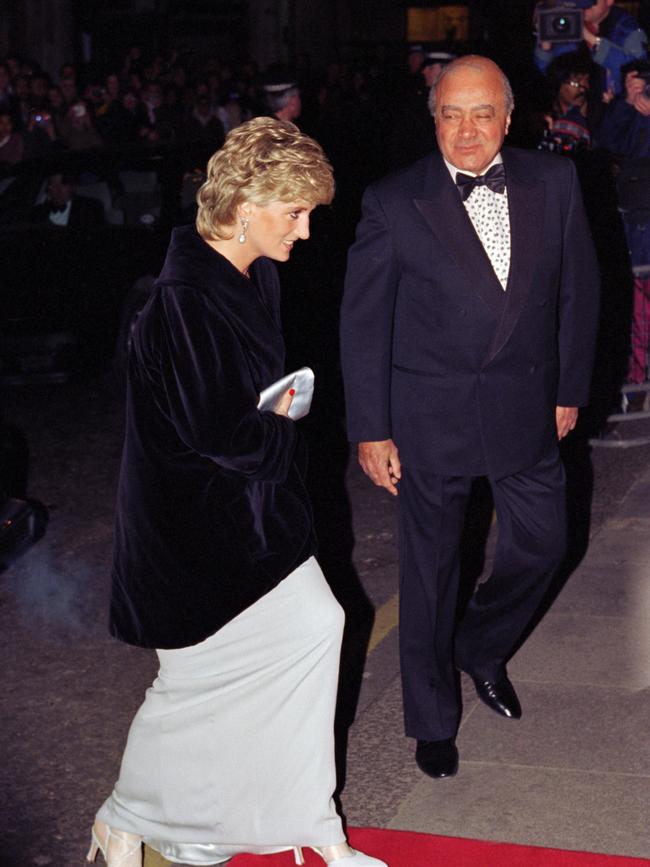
x: 273, y: 229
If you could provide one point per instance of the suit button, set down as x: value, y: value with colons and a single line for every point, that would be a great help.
x: 533, y: 368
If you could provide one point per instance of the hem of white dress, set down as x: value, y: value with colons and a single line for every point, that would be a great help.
x: 186, y: 853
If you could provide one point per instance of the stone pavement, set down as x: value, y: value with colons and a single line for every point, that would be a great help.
x: 574, y: 772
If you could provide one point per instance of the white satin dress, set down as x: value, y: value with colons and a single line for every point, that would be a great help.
x: 233, y: 748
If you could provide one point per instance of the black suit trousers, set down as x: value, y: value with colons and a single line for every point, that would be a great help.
x: 531, y: 519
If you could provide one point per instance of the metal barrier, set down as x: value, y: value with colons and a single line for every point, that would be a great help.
x: 611, y: 437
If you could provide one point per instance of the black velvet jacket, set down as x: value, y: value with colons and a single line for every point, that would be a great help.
x: 212, y: 512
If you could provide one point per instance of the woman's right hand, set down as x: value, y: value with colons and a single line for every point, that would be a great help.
x: 282, y: 406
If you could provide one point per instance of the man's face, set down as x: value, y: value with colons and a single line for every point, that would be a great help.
x: 574, y: 91
x: 471, y: 117
x: 68, y: 89
x: 21, y: 87
x: 414, y: 61
x: 431, y: 73
x: 59, y: 191
x: 38, y: 86
x: 112, y: 86
x: 295, y: 106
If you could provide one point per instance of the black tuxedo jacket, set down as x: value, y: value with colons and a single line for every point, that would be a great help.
x: 464, y: 376
x: 84, y: 213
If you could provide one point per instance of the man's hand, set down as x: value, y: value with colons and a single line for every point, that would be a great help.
x: 635, y: 93
x: 589, y: 36
x: 634, y: 87
x: 566, y: 418
x: 380, y: 462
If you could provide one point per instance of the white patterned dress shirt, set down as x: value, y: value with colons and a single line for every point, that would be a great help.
x: 488, y: 212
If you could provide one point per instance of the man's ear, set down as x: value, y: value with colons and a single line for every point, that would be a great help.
x: 508, y: 121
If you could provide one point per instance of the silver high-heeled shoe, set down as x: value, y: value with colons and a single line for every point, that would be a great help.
x: 119, y: 848
x: 340, y: 855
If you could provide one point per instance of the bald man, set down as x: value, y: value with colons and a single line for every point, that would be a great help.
x: 467, y: 333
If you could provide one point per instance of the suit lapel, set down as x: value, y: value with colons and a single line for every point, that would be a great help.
x: 445, y: 214
x: 526, y: 215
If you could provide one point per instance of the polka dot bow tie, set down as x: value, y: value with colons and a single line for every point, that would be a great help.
x: 494, y: 179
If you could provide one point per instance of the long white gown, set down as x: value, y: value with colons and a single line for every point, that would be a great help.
x: 233, y: 748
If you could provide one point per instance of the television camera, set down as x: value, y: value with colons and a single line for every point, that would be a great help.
x: 559, y: 21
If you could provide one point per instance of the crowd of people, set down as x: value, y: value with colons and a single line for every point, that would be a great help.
x: 144, y: 100
x: 588, y: 96
x: 469, y: 325
x: 162, y: 97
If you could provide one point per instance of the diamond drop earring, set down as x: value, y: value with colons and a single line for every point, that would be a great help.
x: 244, y: 229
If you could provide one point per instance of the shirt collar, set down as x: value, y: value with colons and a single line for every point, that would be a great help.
x: 61, y: 218
x: 453, y: 170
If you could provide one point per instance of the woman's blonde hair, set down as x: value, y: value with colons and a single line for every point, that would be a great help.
x: 263, y: 160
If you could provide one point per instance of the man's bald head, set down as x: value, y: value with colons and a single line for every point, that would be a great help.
x: 480, y: 64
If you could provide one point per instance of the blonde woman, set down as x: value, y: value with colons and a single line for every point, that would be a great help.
x: 232, y: 750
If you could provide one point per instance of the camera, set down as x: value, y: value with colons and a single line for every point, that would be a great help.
x: 562, y: 142
x: 561, y: 22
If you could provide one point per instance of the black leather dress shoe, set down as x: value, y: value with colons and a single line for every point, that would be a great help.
x: 437, y: 758
x: 500, y: 696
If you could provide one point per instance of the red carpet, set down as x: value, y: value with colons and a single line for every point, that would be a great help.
x: 406, y: 849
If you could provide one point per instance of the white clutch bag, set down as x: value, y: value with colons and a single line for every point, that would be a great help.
x: 302, y: 381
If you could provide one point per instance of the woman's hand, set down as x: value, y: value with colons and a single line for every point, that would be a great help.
x: 282, y: 406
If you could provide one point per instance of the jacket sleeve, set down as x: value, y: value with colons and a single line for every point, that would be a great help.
x: 578, y: 300
x: 210, y: 397
x: 367, y: 325
x: 617, y: 131
x: 631, y: 44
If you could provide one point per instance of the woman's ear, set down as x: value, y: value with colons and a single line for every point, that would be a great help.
x: 244, y: 210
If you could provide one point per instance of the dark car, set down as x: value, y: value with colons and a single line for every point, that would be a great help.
x: 70, y: 293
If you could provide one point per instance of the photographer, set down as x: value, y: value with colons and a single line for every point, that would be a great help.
x: 40, y: 135
x: 611, y: 35
x: 575, y: 107
x: 625, y: 132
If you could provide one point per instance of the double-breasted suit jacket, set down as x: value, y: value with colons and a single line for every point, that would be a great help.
x: 463, y: 376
